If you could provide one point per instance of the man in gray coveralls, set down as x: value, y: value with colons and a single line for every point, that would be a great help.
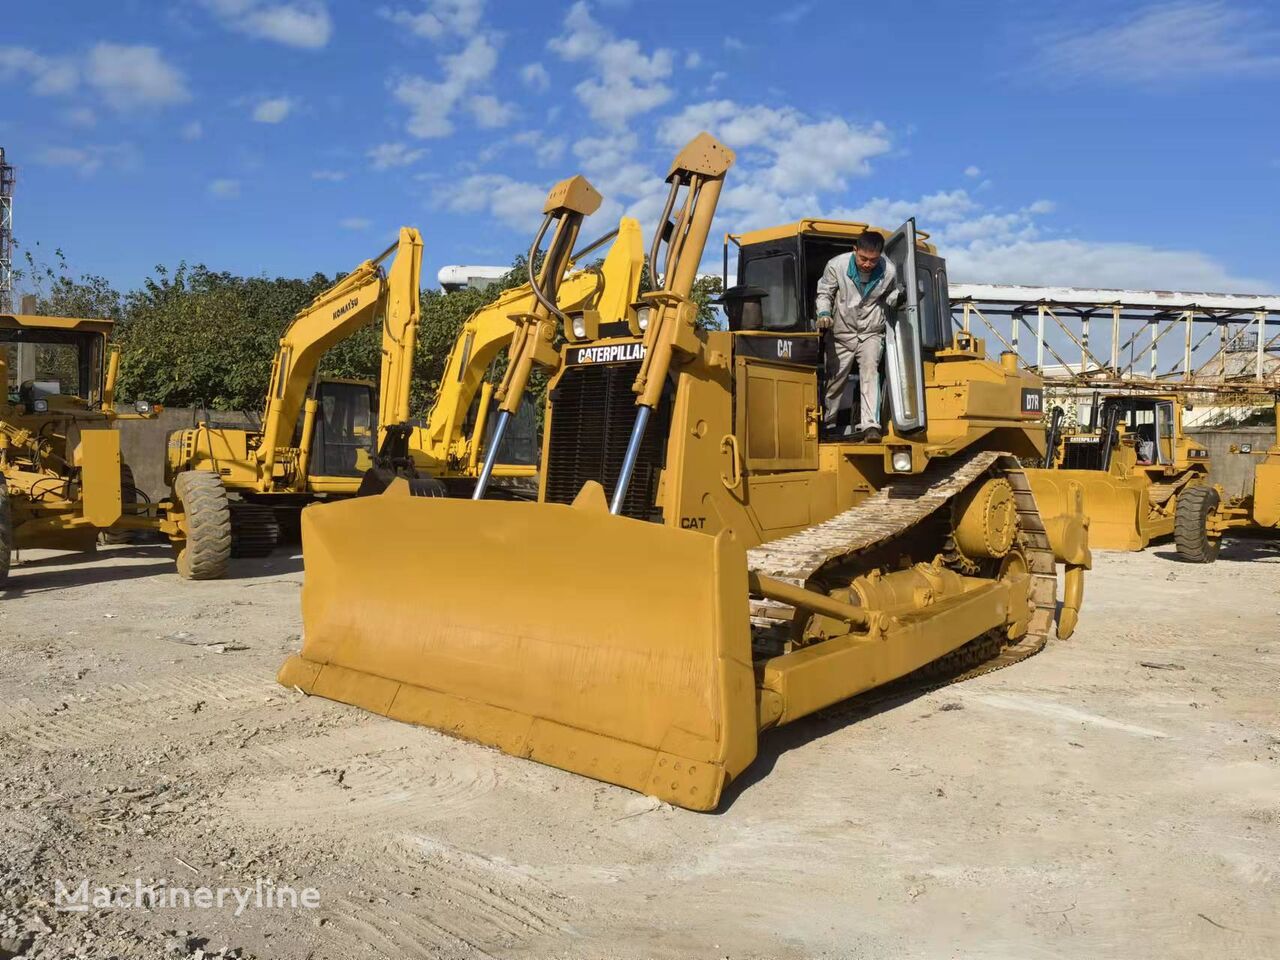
x: 855, y: 293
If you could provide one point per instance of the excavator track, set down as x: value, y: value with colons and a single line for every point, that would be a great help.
x: 891, y: 512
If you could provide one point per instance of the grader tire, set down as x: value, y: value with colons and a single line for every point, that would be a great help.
x: 1190, y: 526
x: 129, y: 503
x: 204, y: 554
x: 6, y: 532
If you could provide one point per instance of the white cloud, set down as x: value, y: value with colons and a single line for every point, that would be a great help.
x: 355, y: 223
x: 82, y: 117
x: 1042, y: 207
x: 972, y: 171
x: 134, y: 76
x: 535, y: 77
x: 438, y: 18
x: 330, y: 176
x: 431, y: 104
x: 794, y: 13
x: 489, y: 111
x: 546, y: 150
x: 516, y: 204
x: 300, y: 23
x: 273, y: 110
x: 626, y: 81
x: 1165, y: 44
x: 1072, y: 262
x: 48, y: 75
x: 224, y: 188
x: 88, y: 159
x: 388, y: 155
x: 786, y: 159
x: 733, y: 43
x: 692, y: 60
x: 192, y: 130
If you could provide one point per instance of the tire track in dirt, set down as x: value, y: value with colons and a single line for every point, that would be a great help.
x: 348, y: 776
x: 118, y: 712
x: 465, y: 905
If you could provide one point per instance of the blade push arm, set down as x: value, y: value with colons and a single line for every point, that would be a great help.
x: 609, y: 289
x: 699, y: 169
x: 568, y: 204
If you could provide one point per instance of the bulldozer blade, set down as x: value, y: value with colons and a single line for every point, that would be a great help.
x: 1114, y: 505
x: 526, y: 627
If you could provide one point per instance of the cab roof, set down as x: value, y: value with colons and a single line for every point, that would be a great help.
x: 821, y: 228
x: 31, y: 321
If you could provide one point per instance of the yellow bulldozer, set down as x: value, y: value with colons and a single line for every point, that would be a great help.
x: 703, y: 564
x: 65, y: 485
x: 1143, y: 477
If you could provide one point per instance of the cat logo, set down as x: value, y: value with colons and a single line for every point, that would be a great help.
x: 784, y: 349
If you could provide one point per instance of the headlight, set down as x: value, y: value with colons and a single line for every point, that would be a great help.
x: 142, y: 407
x: 902, y: 461
x: 39, y: 406
x: 1246, y: 448
x: 642, y: 317
x: 579, y: 323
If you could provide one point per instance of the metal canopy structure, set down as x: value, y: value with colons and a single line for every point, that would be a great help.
x: 7, y: 178
x: 1150, y: 339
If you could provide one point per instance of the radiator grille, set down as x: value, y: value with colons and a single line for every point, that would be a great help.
x: 593, y: 410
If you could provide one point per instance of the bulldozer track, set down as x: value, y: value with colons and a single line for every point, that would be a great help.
x: 892, y: 511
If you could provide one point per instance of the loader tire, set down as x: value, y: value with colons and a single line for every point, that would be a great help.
x: 128, y: 504
x: 1190, y: 525
x: 207, y: 548
x: 255, y: 530
x: 6, y: 532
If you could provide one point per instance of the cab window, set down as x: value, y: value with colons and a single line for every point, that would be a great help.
x: 777, y: 275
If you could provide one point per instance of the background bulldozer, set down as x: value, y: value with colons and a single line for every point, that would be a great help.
x: 1143, y: 477
x: 1259, y: 510
x: 703, y: 565
x: 64, y: 482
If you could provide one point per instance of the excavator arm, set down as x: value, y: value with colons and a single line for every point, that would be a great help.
x: 441, y: 447
x: 359, y: 298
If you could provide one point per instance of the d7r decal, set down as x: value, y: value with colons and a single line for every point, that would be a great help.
x: 1032, y: 402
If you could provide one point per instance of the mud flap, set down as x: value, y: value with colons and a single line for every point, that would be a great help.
x: 609, y: 647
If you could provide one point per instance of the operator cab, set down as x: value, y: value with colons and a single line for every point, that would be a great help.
x: 778, y: 273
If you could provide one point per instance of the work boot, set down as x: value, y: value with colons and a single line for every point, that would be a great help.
x: 872, y: 435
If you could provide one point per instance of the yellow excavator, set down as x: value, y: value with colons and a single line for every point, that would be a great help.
x: 317, y: 436
x: 704, y: 565
x: 1139, y: 469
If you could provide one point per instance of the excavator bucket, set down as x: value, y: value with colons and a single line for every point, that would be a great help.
x: 489, y: 620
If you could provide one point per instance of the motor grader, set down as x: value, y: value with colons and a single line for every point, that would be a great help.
x: 65, y: 485
x: 703, y: 565
x: 1143, y: 477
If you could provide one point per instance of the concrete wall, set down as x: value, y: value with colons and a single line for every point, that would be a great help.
x: 142, y: 443
x: 1235, y: 470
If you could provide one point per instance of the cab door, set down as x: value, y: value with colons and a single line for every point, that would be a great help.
x: 904, y: 339
x: 776, y: 406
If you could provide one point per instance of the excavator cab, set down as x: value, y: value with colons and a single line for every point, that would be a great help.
x: 345, y: 429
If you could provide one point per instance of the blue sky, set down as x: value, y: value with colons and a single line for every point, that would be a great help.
x: 1075, y: 142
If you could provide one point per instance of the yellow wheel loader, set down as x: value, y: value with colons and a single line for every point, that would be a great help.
x: 1258, y: 510
x: 1139, y: 471
x: 704, y: 565
x: 65, y: 485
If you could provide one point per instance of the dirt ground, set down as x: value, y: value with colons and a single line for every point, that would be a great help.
x: 1116, y: 796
